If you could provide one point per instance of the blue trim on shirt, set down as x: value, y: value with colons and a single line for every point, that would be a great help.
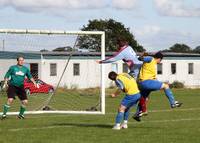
x: 120, y: 84
x: 147, y: 59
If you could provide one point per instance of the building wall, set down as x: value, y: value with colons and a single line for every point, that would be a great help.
x: 189, y: 80
x: 90, y: 75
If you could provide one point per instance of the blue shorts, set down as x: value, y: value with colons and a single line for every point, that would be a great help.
x: 152, y: 85
x: 130, y: 100
x: 149, y: 85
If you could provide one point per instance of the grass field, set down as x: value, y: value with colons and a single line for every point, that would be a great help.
x: 162, y: 125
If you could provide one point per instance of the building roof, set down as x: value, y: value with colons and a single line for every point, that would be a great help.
x: 63, y: 55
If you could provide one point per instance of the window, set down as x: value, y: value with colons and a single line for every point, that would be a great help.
x: 159, y: 68
x: 114, y: 67
x: 76, y: 69
x: 190, y: 68
x: 125, y: 68
x: 173, y: 68
x: 53, y: 69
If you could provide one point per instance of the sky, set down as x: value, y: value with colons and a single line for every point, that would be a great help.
x: 156, y: 24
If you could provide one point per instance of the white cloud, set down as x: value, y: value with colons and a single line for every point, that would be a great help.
x: 155, y: 38
x: 44, y: 5
x: 177, y: 8
x: 40, y: 5
x: 147, y: 30
x: 124, y: 4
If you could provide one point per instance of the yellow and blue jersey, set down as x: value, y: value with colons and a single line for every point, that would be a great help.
x: 127, y: 84
x: 148, y: 70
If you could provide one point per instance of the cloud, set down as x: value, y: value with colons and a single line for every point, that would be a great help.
x: 148, y: 30
x: 48, y: 5
x: 124, y: 4
x: 41, y: 5
x: 155, y: 38
x: 177, y: 8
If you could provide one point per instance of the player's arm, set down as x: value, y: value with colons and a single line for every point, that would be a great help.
x: 28, y: 74
x: 146, y: 59
x: 7, y: 76
x: 116, y: 93
x: 116, y: 57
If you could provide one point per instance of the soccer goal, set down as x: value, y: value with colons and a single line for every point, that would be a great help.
x: 64, y: 65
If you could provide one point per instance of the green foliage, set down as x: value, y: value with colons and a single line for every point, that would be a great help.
x: 177, y: 84
x: 63, y: 49
x: 179, y: 48
x: 197, y: 49
x: 113, y: 30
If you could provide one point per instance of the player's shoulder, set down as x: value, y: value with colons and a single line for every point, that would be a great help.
x: 13, y: 66
x: 25, y: 68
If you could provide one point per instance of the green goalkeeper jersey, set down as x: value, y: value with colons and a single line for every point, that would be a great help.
x: 17, y: 74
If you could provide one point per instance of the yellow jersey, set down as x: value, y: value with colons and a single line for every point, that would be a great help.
x: 127, y: 84
x: 148, y: 70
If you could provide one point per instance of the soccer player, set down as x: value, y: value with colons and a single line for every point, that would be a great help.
x: 16, y: 74
x: 128, y: 55
x: 148, y: 83
x: 127, y: 84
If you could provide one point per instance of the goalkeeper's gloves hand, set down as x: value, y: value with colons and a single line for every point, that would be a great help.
x: 5, y: 85
x: 37, y: 85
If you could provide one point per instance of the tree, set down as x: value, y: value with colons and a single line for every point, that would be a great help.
x: 113, y: 30
x: 179, y: 48
x: 197, y: 49
x: 62, y: 49
x: 44, y: 50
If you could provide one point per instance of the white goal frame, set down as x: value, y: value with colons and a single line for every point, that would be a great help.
x: 61, y: 32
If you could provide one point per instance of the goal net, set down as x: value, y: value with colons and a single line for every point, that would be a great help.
x: 64, y: 65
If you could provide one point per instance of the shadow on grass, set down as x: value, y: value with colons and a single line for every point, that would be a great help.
x: 87, y: 125
x: 84, y: 125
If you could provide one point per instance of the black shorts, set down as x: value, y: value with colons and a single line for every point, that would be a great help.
x: 16, y: 91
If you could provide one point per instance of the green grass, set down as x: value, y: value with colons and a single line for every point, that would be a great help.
x: 162, y: 125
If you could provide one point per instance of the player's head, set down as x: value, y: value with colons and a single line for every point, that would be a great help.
x: 20, y: 60
x: 158, y: 56
x: 121, y: 41
x: 112, y: 75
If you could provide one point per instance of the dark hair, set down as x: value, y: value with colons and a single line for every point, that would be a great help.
x: 112, y: 75
x: 121, y: 41
x: 158, y: 55
x: 19, y: 57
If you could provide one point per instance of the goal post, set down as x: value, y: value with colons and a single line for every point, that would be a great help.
x: 64, y: 64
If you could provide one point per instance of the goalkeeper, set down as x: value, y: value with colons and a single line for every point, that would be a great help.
x: 127, y: 84
x: 16, y: 74
x: 128, y: 55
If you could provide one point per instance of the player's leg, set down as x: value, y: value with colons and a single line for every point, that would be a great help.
x: 141, y: 108
x: 119, y: 117
x: 170, y: 96
x: 24, y: 101
x: 22, y: 109
x: 11, y: 92
x: 125, y: 103
x: 135, y: 70
x: 133, y: 101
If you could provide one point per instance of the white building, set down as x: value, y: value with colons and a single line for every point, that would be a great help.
x: 83, y: 71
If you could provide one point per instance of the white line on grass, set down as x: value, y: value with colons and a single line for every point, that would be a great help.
x: 93, y: 124
x: 169, y: 110
x: 114, y: 113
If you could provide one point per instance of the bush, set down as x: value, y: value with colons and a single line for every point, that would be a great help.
x: 177, y: 84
